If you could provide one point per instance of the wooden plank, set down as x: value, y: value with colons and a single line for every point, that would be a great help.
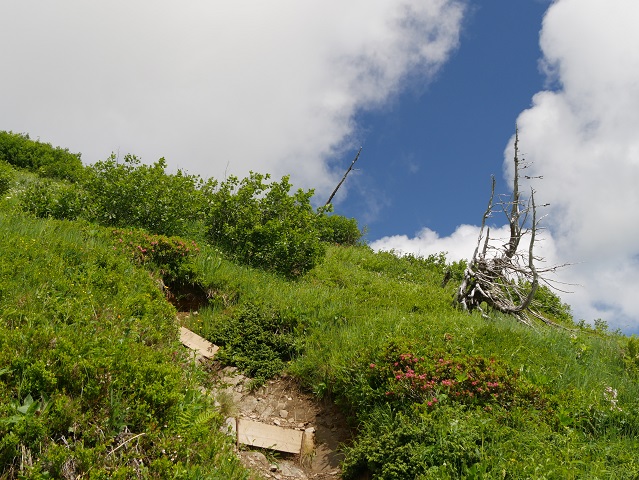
x: 256, y: 434
x: 195, y: 342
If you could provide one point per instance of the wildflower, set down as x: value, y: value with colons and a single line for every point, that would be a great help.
x: 610, y: 394
x: 372, y: 365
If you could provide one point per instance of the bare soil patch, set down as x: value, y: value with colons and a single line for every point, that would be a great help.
x: 282, y: 402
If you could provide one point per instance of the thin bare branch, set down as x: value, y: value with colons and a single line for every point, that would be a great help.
x: 330, y: 199
x: 506, y: 278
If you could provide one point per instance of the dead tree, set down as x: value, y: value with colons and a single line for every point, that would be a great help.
x: 330, y: 199
x: 503, y: 277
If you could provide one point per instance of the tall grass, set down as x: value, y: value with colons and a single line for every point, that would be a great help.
x: 88, y: 340
x: 89, y: 360
x: 357, y: 304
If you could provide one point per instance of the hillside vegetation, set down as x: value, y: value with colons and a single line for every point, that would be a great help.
x: 94, y: 384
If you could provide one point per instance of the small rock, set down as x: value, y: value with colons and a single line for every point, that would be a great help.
x: 289, y: 470
x: 277, y: 422
x: 229, y: 426
x: 284, y: 413
x: 273, y: 468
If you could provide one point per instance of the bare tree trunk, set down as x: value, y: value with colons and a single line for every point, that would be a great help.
x: 505, y: 278
x: 343, y: 178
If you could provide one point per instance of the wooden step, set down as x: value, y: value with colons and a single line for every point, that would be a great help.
x: 273, y: 437
x: 201, y: 346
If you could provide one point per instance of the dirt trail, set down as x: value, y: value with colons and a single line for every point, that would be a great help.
x: 281, y: 402
x: 281, y: 406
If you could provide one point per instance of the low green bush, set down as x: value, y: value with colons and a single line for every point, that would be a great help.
x: 6, y: 177
x: 339, y: 230
x: 49, y: 199
x: 131, y: 194
x: 263, y: 225
x: 171, y: 257
x: 257, y: 340
x: 41, y: 158
x: 440, y: 375
x: 413, y: 445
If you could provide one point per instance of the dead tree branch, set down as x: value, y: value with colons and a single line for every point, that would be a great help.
x: 330, y: 199
x: 504, y: 278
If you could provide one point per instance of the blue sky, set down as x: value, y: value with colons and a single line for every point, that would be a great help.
x: 432, y: 89
x: 429, y: 154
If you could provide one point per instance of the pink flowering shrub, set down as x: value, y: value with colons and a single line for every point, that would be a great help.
x: 429, y: 379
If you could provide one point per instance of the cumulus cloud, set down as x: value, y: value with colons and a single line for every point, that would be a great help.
x: 215, y: 87
x: 459, y: 245
x: 582, y: 137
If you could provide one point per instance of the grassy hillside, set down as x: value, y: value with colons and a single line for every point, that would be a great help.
x: 94, y: 384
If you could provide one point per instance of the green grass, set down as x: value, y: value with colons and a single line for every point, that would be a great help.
x: 89, y: 359
x: 348, y: 310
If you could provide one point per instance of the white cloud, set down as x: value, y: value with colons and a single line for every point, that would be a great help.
x: 583, y: 139
x: 459, y: 245
x: 214, y: 87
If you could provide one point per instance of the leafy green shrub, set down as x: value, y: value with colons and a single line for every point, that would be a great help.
x: 92, y: 380
x: 262, y: 225
x: 6, y: 177
x: 48, y: 199
x: 131, y: 194
x: 339, y: 230
x: 42, y: 158
x: 424, y: 446
x: 172, y: 257
x: 256, y: 340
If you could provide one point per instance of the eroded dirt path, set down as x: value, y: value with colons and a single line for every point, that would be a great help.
x: 281, y: 402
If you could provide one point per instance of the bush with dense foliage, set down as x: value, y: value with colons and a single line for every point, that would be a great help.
x: 48, y: 199
x: 6, y: 177
x: 132, y: 194
x: 171, y: 258
x: 41, y: 158
x: 339, y: 230
x: 93, y: 382
x: 257, y: 340
x: 263, y: 225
